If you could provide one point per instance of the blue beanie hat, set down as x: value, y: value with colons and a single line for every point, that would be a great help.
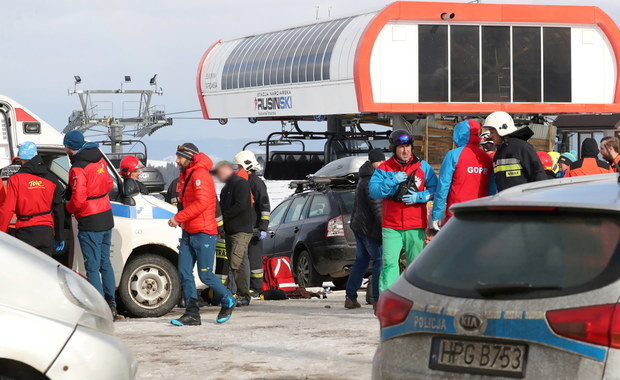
x: 568, y: 158
x: 74, y: 140
x: 27, y: 150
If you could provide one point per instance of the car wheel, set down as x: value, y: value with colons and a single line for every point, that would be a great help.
x: 340, y: 282
x: 307, y: 276
x: 150, y: 286
x: 13, y: 370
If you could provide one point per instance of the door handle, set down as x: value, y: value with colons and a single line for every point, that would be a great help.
x: 272, y: 234
x: 296, y: 230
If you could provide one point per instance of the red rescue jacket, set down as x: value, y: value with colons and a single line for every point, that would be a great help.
x: 466, y: 172
x: 197, y: 197
x: 90, y: 182
x: 589, y: 164
x: 383, y: 185
x: 34, y: 195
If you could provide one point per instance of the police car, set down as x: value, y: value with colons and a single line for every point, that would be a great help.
x: 525, y: 284
x: 144, y: 248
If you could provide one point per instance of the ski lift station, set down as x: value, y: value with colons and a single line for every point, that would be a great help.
x: 421, y: 65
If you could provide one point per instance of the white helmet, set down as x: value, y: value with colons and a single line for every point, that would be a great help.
x: 247, y: 160
x: 500, y: 121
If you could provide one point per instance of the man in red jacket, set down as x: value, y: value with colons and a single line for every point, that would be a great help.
x: 405, y: 184
x: 35, y: 196
x: 466, y: 172
x: 197, y: 205
x: 89, y: 185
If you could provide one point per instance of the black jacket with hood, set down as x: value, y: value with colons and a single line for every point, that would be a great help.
x: 589, y: 164
x: 516, y: 161
x: 235, y: 202
x: 366, y: 214
x: 261, y: 209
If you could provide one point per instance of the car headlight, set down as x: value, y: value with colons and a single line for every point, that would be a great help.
x: 97, y: 313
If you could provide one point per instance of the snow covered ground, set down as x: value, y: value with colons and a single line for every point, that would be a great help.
x: 291, y: 339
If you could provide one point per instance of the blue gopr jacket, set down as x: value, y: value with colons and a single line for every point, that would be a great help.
x: 466, y: 172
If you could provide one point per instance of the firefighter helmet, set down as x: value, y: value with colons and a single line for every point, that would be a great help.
x: 247, y: 160
x: 130, y: 164
x: 545, y: 158
x: 500, y: 121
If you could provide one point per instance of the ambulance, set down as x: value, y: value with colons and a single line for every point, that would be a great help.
x: 144, y: 248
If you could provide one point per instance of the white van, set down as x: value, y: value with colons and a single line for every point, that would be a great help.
x: 144, y: 248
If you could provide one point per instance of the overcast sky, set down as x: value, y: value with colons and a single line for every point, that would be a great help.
x: 45, y: 43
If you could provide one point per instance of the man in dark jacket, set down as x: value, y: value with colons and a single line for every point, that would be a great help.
x: 260, y: 214
x: 90, y: 183
x: 589, y: 164
x: 516, y: 161
x: 366, y: 225
x: 235, y: 202
x: 34, y: 195
x: 172, y: 195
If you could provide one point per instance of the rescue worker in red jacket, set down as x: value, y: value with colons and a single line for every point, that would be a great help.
x: 88, y: 200
x: 197, y: 218
x: 589, y: 164
x: 34, y: 195
x: 466, y: 172
x: 130, y: 170
x: 406, y: 184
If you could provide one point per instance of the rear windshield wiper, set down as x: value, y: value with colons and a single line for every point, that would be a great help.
x: 489, y: 290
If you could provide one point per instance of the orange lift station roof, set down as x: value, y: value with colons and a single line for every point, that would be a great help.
x: 419, y: 57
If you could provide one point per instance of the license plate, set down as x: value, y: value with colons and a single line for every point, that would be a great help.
x: 485, y: 357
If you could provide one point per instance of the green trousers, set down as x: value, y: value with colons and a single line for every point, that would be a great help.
x: 393, y: 243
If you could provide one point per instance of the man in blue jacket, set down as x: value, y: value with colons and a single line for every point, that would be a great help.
x: 406, y: 184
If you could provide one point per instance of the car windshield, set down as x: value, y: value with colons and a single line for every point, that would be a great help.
x: 516, y: 255
x: 346, y: 200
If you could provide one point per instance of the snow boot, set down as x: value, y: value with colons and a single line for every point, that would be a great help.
x: 115, y: 315
x: 351, y: 304
x: 243, y: 302
x: 191, y: 317
x: 228, y: 304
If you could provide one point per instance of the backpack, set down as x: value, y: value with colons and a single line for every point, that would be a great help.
x: 277, y: 274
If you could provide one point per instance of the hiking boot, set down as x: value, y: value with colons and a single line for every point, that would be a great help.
x: 115, y: 315
x: 228, y: 304
x: 187, y: 320
x: 351, y: 304
x: 243, y: 302
x: 191, y: 316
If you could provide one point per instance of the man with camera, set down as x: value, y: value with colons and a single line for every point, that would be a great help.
x: 406, y: 184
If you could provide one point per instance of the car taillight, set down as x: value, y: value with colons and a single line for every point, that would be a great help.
x: 392, y: 309
x: 598, y: 324
x: 335, y: 227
